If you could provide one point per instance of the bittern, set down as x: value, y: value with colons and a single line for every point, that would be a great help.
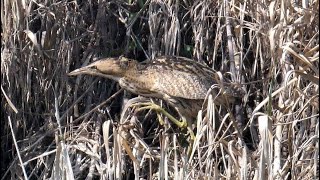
x: 181, y: 82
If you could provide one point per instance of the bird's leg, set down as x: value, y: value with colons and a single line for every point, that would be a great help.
x: 182, y: 124
x: 189, y: 128
x: 152, y: 106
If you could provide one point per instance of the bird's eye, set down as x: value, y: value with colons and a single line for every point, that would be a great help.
x: 124, y: 63
x: 94, y: 67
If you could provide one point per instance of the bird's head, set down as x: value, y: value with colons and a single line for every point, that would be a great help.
x: 112, y: 68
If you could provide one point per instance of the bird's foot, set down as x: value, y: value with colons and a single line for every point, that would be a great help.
x: 152, y: 106
x: 157, y: 108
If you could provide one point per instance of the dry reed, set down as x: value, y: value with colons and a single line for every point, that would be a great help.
x: 58, y: 127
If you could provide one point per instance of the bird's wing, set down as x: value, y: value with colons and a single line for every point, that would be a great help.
x: 182, y: 84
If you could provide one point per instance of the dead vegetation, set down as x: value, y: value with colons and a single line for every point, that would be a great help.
x: 54, y: 126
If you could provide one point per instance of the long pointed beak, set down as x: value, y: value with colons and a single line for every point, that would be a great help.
x: 79, y: 71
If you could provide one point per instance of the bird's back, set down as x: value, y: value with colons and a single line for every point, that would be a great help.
x: 178, y: 77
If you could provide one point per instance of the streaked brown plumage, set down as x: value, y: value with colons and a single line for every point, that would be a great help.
x: 182, y: 82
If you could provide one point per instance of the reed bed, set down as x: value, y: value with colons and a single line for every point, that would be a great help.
x: 59, y: 127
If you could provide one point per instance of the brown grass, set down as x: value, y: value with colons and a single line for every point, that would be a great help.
x: 54, y: 126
